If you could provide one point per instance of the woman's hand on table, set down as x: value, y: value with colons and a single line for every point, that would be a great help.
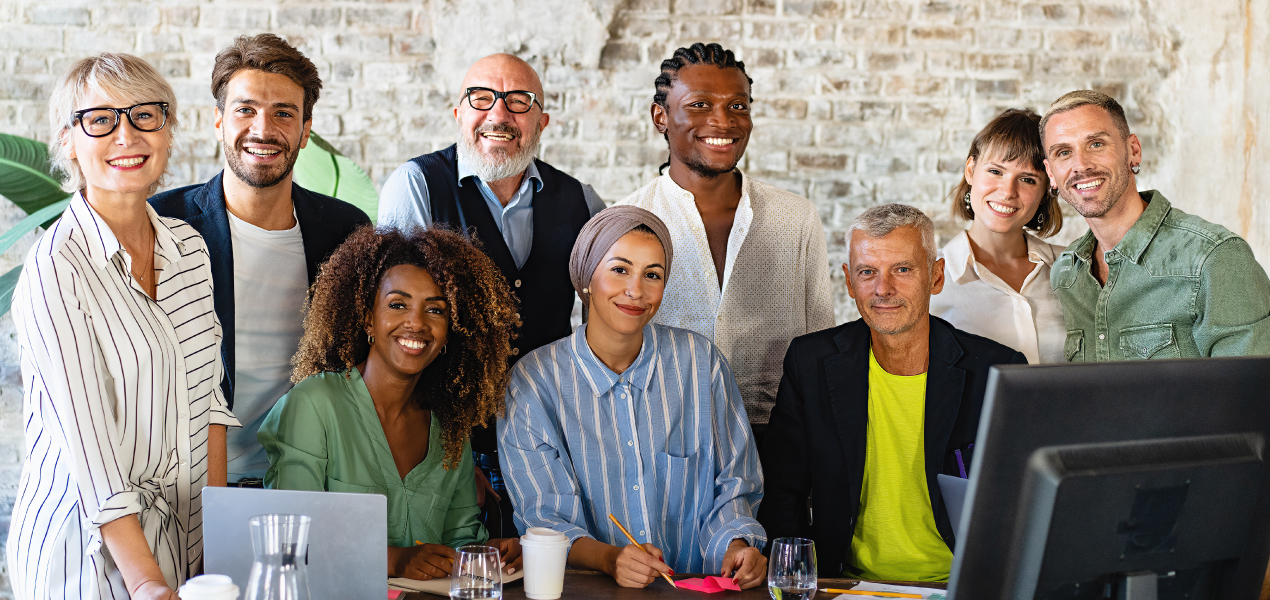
x: 633, y: 567
x: 509, y: 553
x: 749, y: 564
x: 422, y: 562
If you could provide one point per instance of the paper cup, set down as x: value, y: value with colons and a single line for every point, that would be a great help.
x: 209, y: 587
x: 545, y: 552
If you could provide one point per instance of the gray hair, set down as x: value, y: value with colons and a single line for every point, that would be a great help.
x: 121, y: 78
x: 880, y: 221
x: 1078, y: 98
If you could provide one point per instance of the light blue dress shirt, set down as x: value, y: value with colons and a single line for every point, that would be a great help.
x: 404, y: 202
x: 665, y: 447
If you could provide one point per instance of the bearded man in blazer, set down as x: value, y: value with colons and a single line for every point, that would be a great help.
x: 868, y: 413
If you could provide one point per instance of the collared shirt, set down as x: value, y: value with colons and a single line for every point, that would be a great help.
x: 325, y: 436
x: 119, y: 392
x: 404, y: 201
x: 974, y: 299
x: 664, y: 447
x: 1177, y: 287
x: 775, y: 280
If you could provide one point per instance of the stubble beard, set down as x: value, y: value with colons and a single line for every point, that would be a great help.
x: 259, y: 177
x: 1113, y: 189
x: 499, y: 164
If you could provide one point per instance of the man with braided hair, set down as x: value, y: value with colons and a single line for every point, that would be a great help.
x: 755, y: 273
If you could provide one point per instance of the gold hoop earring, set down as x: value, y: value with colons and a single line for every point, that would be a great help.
x: 370, y: 339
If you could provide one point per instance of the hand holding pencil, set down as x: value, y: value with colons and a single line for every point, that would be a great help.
x: 638, y: 561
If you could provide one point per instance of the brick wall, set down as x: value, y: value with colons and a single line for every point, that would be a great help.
x: 858, y: 102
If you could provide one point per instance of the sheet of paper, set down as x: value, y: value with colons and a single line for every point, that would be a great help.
x: 869, y: 586
x: 708, y: 585
x: 439, y: 587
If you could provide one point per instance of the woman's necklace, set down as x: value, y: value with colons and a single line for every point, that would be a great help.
x: 148, y: 271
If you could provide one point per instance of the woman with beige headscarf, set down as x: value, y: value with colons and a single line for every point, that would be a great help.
x: 637, y: 420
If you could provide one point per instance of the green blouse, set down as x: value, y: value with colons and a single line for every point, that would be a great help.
x: 324, y: 435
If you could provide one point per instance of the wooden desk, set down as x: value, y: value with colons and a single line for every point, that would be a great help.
x: 589, y: 585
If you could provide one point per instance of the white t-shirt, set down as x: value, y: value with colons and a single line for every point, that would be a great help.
x: 271, y: 280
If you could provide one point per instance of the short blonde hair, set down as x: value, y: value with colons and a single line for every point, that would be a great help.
x: 1078, y: 98
x: 122, y: 78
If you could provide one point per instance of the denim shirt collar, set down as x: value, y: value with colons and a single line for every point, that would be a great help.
x: 1138, y: 238
x: 600, y: 377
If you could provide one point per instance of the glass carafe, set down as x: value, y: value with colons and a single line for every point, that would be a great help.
x: 280, y: 543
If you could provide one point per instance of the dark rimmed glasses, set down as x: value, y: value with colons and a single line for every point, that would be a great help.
x: 101, y: 122
x: 516, y: 101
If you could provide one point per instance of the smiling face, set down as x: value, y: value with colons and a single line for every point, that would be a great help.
x: 627, y: 286
x: 1088, y: 160
x: 126, y: 161
x: 498, y: 143
x: 706, y: 118
x: 891, y: 279
x: 1004, y: 195
x: 410, y: 321
x: 262, y: 128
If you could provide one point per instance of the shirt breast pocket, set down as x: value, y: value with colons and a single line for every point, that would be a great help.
x: 335, y: 485
x: 1074, y: 345
x: 675, y: 476
x: 1149, y: 341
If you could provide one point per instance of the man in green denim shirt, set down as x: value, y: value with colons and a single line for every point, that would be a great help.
x: 1148, y: 280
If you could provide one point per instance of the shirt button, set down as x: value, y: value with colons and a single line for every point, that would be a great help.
x: 636, y: 488
x: 181, y: 414
x: 1102, y: 336
x: 630, y: 442
x: 623, y: 396
x: 517, y: 283
x: 642, y: 532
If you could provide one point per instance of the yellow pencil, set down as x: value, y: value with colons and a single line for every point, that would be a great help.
x: 641, y: 547
x: 867, y: 593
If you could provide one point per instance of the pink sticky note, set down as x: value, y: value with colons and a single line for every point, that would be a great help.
x: 709, y: 585
x: 394, y: 594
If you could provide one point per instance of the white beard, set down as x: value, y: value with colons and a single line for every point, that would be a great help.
x: 499, y: 166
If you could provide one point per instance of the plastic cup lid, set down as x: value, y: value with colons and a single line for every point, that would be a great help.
x: 210, y: 582
x: 542, y: 534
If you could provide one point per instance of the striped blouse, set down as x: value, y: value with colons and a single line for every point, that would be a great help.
x: 119, y: 391
x: 665, y: 447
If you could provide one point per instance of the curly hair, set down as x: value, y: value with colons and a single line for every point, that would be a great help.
x: 463, y: 387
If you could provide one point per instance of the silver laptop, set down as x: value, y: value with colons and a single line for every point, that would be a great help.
x: 953, y: 490
x: 347, y: 554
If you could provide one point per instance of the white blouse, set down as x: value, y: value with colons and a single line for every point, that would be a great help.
x: 974, y: 299
x: 119, y: 392
x: 775, y: 280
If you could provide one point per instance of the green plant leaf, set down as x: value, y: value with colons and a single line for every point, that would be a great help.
x: 45, y: 215
x: 321, y: 168
x: 8, y: 282
x: 25, y: 175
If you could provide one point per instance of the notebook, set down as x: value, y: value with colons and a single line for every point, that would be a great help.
x: 954, y: 491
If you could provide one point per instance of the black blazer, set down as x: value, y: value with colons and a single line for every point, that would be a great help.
x: 325, y: 223
x: 815, y: 442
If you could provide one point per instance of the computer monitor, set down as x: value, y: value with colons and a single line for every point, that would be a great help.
x: 1119, y: 480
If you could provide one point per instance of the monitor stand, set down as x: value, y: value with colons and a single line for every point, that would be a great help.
x: 1141, y: 585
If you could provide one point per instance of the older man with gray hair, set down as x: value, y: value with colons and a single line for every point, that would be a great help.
x: 878, y: 406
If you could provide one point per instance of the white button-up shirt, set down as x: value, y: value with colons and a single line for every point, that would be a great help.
x: 775, y: 280
x: 974, y: 299
x: 119, y: 392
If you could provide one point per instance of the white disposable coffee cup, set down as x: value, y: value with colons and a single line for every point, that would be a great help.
x: 545, y: 552
x: 209, y: 587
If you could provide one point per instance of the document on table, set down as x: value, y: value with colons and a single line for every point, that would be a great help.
x: 869, y: 586
x: 439, y: 587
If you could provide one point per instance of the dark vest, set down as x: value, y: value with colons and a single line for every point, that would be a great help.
x: 542, y: 285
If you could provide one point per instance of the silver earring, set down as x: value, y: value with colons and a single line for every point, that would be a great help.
x: 1136, y: 169
x: 967, y: 200
x: 444, y: 348
x: 370, y: 339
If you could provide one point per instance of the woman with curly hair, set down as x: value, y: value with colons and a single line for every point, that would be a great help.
x: 404, y: 352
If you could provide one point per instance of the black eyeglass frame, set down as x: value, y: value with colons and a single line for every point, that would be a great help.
x: 533, y: 99
x: 79, y: 116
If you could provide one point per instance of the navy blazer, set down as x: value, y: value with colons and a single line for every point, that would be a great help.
x: 815, y: 442
x: 325, y: 223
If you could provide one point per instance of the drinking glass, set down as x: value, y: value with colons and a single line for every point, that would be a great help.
x: 476, y: 573
x: 791, y: 572
x: 280, y: 543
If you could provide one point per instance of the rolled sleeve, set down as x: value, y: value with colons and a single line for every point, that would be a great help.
x: 544, y: 493
x: 1232, y: 303
x: 738, y: 487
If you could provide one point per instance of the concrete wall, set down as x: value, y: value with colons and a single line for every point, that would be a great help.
x: 858, y: 102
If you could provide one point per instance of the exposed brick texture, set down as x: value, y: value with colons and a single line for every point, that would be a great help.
x: 857, y: 102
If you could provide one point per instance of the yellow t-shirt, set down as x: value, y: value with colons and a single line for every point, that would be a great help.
x: 895, y: 536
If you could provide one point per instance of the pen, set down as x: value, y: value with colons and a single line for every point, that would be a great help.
x: 641, y: 547
x: 866, y: 593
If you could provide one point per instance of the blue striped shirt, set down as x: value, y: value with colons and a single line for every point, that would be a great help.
x: 665, y: 447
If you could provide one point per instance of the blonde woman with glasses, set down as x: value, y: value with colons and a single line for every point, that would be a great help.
x: 125, y: 420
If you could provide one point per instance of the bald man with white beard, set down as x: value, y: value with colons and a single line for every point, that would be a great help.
x: 525, y: 212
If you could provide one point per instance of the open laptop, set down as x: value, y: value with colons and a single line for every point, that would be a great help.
x: 347, y: 554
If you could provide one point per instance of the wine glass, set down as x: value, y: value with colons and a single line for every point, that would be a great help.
x: 476, y: 573
x: 791, y: 571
